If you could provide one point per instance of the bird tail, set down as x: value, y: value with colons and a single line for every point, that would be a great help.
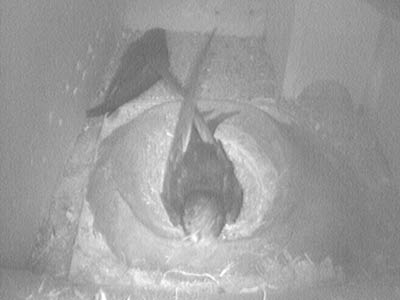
x: 189, y: 112
x: 195, y: 70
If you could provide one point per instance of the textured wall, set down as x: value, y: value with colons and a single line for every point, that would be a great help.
x: 51, y: 57
x: 234, y: 17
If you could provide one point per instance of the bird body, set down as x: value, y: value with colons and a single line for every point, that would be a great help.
x: 136, y: 72
x: 200, y: 191
x: 207, y: 183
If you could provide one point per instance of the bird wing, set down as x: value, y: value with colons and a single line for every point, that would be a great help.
x: 188, y: 114
x: 190, y: 118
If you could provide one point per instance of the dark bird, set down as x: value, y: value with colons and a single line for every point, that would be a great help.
x: 135, y: 73
x: 200, y: 190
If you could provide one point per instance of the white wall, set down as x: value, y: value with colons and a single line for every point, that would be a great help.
x: 385, y: 96
x: 331, y: 40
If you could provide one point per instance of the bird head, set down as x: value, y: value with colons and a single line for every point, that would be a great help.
x: 203, y: 216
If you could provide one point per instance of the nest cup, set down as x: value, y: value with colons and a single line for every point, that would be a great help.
x: 132, y: 162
